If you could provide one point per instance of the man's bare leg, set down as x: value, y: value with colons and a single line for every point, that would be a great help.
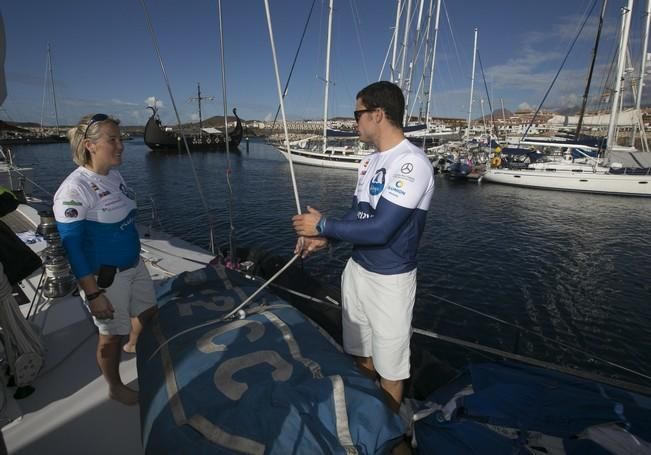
x: 392, y: 389
x: 365, y: 365
x: 108, y: 359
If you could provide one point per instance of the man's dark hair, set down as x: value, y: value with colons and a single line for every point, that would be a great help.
x: 387, y: 96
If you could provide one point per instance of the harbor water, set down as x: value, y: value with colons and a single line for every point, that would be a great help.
x: 575, y: 268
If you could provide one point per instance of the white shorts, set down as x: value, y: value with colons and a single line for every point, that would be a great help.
x: 377, y: 312
x: 131, y: 293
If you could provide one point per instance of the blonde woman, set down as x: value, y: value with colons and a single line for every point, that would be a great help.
x: 95, y: 213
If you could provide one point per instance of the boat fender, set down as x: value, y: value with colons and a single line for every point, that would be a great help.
x: 208, y: 140
x: 495, y: 162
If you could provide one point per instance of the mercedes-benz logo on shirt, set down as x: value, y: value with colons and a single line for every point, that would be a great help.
x: 407, y: 168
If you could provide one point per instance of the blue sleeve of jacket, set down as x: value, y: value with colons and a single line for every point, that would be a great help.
x: 351, y: 214
x: 372, y: 231
x: 72, y: 235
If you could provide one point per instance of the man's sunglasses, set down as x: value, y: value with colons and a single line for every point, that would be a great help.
x: 358, y: 114
x: 94, y: 119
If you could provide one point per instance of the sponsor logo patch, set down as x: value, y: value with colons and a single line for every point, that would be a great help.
x: 71, y: 213
x: 377, y: 182
x: 71, y: 202
x: 407, y: 168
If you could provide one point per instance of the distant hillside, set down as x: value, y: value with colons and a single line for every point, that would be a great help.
x: 5, y: 126
x: 216, y: 121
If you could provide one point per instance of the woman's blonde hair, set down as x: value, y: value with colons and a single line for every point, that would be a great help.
x: 88, y: 128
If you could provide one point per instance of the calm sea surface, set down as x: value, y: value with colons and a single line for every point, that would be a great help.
x: 573, y: 267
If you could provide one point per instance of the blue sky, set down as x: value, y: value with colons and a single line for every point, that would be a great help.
x: 104, y: 59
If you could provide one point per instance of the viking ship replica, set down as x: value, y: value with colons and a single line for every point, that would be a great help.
x: 160, y: 138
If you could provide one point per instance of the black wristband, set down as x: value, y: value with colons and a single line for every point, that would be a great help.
x: 94, y: 295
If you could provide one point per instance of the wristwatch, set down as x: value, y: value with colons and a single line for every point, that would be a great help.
x: 320, y: 226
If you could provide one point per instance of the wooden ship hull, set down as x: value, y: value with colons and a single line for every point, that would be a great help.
x: 157, y: 138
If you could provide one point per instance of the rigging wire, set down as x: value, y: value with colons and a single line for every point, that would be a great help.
x: 454, y: 40
x: 228, y: 316
x: 291, y: 70
x: 45, y: 97
x: 586, y: 92
x: 282, y: 109
x: 576, y: 37
x: 419, y: 46
x: 178, y: 119
x: 357, y: 21
x: 543, y: 337
x: 394, y: 36
x: 488, y: 96
x: 231, y: 227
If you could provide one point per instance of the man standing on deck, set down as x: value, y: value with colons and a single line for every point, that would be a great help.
x: 393, y: 192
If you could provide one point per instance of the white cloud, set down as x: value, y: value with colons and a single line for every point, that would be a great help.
x: 524, y: 107
x: 120, y: 102
x: 153, y: 101
x: 269, y: 117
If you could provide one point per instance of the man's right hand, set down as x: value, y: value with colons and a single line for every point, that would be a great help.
x: 101, y: 307
x: 308, y: 245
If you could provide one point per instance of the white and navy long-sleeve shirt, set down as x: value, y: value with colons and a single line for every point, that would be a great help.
x: 96, y: 216
x: 393, y: 194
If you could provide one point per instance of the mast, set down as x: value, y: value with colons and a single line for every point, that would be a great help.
x: 231, y: 230
x: 199, y: 98
x: 45, y: 80
x: 54, y: 96
x: 396, y: 30
x: 407, y: 89
x: 405, y: 43
x: 472, y: 82
x: 327, y: 76
x: 431, y: 74
x: 594, y: 59
x: 640, y: 86
x: 621, y: 62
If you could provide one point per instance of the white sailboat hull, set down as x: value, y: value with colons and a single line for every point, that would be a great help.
x: 332, y: 160
x: 588, y: 182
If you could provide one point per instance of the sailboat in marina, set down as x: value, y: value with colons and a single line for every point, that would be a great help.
x: 48, y: 84
x: 342, y: 149
x: 622, y: 171
x: 346, y: 151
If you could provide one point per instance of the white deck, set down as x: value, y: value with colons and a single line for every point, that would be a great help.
x: 70, y: 412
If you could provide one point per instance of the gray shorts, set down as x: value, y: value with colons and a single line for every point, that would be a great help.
x: 131, y: 293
